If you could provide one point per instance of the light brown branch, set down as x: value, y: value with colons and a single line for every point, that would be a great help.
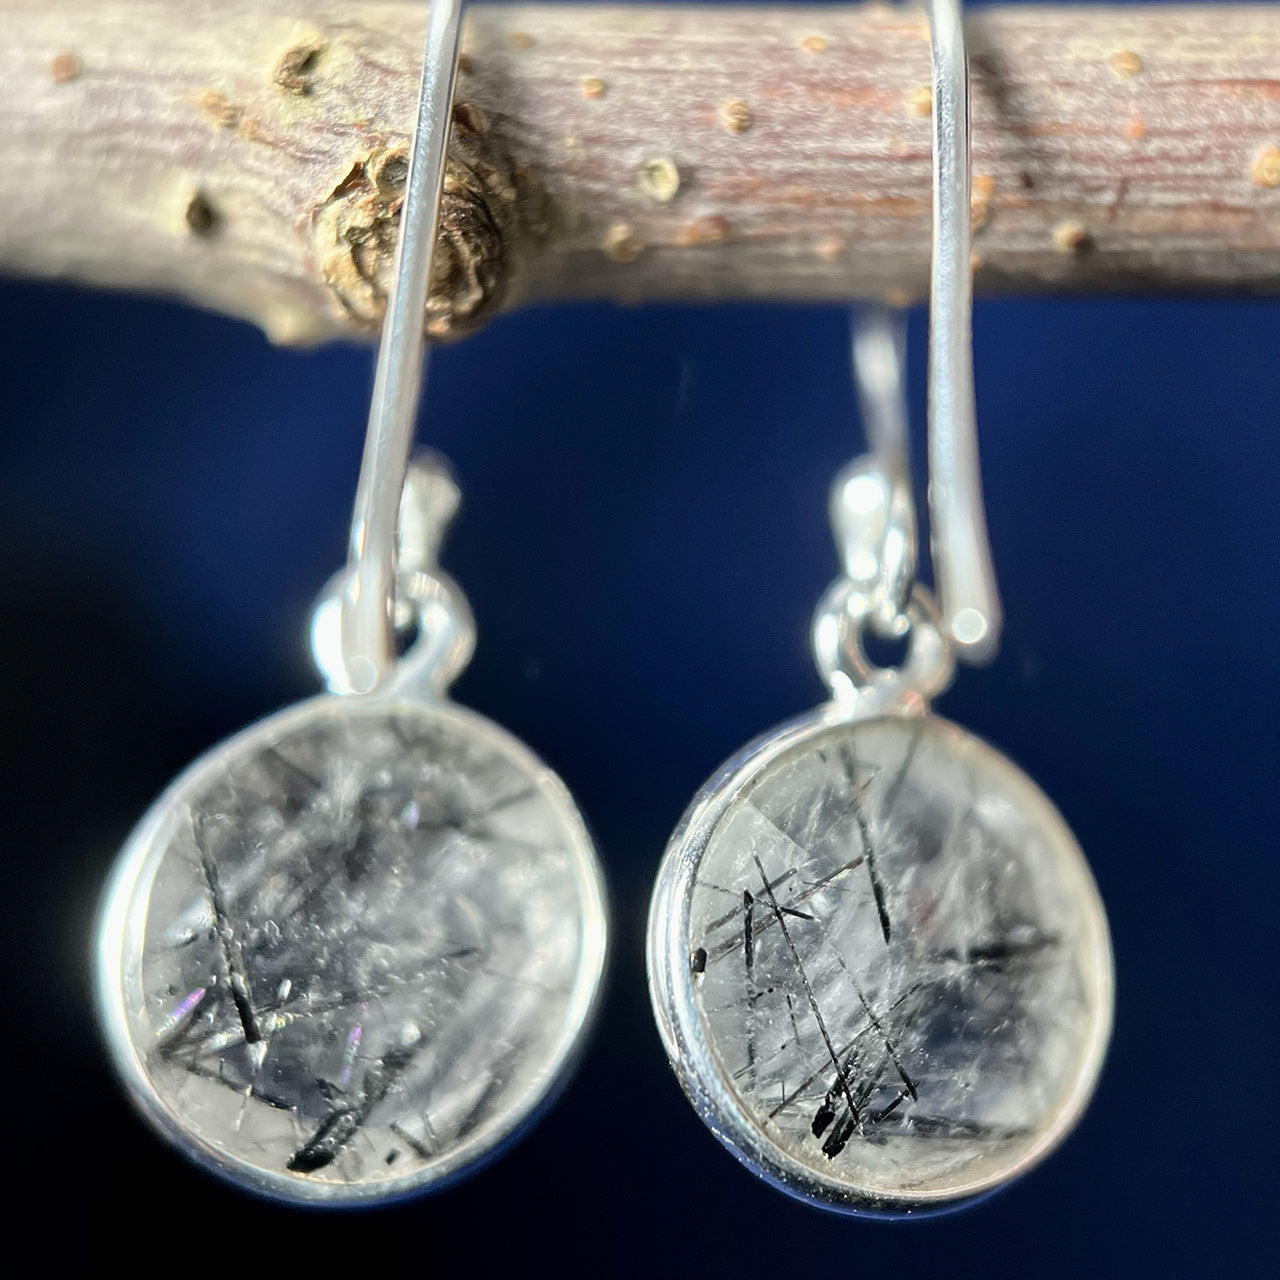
x: 247, y: 156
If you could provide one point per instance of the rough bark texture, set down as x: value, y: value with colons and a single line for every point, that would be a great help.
x: 247, y: 155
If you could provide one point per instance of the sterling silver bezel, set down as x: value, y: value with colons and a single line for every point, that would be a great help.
x: 692, y: 1058
x: 123, y: 915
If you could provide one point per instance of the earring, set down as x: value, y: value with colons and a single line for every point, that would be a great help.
x: 350, y: 952
x: 877, y: 958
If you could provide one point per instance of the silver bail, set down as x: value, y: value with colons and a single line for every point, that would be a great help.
x: 367, y: 633
x: 873, y: 512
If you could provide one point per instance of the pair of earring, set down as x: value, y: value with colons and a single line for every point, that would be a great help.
x: 350, y: 952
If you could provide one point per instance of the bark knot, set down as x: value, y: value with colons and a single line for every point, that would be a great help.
x: 485, y: 203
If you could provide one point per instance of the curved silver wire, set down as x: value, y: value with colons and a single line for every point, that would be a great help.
x: 367, y: 631
x: 872, y: 510
x: 428, y: 603
x: 961, y: 547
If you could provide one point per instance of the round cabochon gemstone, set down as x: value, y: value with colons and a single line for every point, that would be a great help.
x: 349, y: 952
x: 897, y: 962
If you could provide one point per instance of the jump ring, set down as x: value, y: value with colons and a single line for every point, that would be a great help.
x: 841, y: 621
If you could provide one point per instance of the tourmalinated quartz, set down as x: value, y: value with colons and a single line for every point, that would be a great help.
x: 353, y: 949
x: 899, y: 962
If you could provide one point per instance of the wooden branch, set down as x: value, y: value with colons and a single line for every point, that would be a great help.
x: 248, y: 155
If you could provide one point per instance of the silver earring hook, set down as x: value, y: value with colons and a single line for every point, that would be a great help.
x: 367, y: 632
x: 429, y: 608
x: 872, y: 509
x: 961, y: 547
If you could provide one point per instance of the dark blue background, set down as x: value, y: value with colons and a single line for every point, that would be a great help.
x: 643, y: 541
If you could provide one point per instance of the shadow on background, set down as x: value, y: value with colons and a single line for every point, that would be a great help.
x: 643, y: 540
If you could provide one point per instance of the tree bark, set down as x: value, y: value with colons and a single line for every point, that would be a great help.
x: 248, y: 156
